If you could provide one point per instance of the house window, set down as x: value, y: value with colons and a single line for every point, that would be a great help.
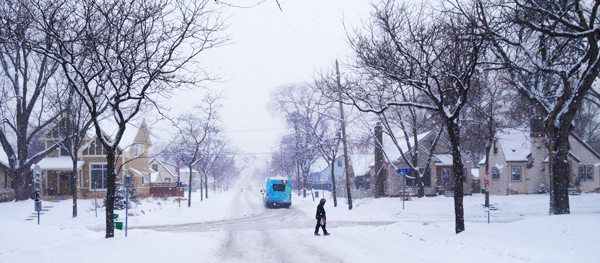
x: 465, y: 174
x: 495, y: 174
x: 155, y: 167
x: 99, y: 176
x: 495, y: 147
x: 516, y: 173
x: 167, y: 180
x: 138, y: 149
x: 585, y: 172
x: 339, y: 163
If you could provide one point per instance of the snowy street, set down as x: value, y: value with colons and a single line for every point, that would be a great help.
x: 234, y: 226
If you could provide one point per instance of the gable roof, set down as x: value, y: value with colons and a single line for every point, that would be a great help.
x: 361, y: 164
x: 319, y: 165
x: 585, y: 145
x: 515, y: 144
x: 391, y: 150
x: 444, y: 159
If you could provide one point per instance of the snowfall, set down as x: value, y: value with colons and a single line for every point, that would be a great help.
x: 234, y: 226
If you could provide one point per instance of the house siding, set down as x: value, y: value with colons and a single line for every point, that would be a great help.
x: 535, y: 172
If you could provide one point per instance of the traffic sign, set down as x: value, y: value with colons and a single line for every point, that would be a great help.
x: 406, y: 170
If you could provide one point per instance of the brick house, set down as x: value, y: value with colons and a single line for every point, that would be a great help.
x: 440, y: 178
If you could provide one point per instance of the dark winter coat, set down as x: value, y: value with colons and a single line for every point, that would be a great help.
x: 321, y: 210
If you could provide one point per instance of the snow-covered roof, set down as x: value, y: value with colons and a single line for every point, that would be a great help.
x: 3, y: 157
x: 362, y: 163
x: 135, y: 171
x: 444, y: 159
x: 515, y: 144
x: 390, y: 148
x: 482, y: 162
x: 58, y: 163
x: 319, y: 165
x: 163, y: 164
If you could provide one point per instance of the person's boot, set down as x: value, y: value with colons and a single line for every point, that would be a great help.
x: 317, y: 234
x: 326, y: 234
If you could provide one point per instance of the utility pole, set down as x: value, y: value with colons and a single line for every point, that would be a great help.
x: 349, y: 172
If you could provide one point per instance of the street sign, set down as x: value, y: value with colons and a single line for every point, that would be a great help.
x: 38, y: 205
x: 403, y: 170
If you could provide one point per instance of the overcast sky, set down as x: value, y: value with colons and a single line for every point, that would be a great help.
x: 269, y: 48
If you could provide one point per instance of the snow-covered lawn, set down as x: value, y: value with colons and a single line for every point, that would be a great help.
x: 520, y: 231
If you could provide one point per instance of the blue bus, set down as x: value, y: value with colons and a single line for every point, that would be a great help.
x: 277, y: 192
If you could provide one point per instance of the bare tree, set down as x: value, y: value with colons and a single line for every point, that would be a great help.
x: 300, y: 106
x: 549, y: 51
x: 433, y: 52
x: 28, y: 80
x: 127, y: 54
x: 70, y: 133
x: 195, y: 130
x: 213, y: 149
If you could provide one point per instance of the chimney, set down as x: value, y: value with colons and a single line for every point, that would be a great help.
x: 536, y: 127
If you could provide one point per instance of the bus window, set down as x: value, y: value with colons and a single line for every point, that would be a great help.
x: 278, y: 187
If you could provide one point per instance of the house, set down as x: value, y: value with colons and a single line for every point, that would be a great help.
x: 5, y: 180
x: 162, y: 172
x: 317, y: 178
x: 184, y: 175
x: 6, y: 184
x: 519, y: 163
x: 439, y: 179
x: 91, y: 165
x: 320, y: 175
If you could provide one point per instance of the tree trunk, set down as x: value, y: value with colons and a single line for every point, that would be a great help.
x: 74, y: 187
x: 333, y: 183
x: 206, y: 185
x: 22, y: 188
x: 560, y: 171
x: 110, y: 192
x: 457, y: 165
x: 415, y: 158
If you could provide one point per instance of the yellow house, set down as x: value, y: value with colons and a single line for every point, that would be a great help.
x: 91, y: 166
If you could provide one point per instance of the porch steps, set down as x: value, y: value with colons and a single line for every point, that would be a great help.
x: 45, y: 208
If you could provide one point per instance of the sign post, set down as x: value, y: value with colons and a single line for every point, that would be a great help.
x: 403, y: 172
x: 487, y: 194
x: 127, y: 184
x: 95, y: 200
x: 37, y: 171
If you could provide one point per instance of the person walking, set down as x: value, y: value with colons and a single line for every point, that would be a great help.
x: 321, y: 218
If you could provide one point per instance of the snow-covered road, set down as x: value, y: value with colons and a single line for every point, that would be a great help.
x: 234, y: 226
